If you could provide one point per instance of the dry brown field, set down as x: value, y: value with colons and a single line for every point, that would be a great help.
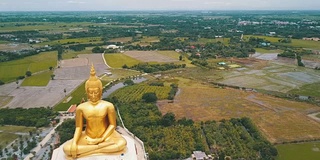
x: 279, y: 120
x: 149, y: 56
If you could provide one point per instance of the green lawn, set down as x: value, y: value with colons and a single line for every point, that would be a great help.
x: 318, y: 115
x: 302, y: 151
x: 175, y: 55
x: 117, y: 60
x: 9, y: 71
x: 308, y: 90
x: 76, y: 95
x: 41, y: 79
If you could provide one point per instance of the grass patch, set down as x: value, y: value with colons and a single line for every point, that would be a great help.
x: 6, y: 138
x: 120, y: 73
x: 41, y: 79
x: 299, y: 151
x: 175, y: 55
x: 262, y: 50
x: 22, y: 129
x: 74, y: 40
x: 318, y: 115
x: 9, y: 71
x: 76, y: 95
x: 4, y: 42
x: 117, y: 60
x: 7, y: 133
x: 122, y: 39
x: 69, y: 54
x: 4, y: 100
x: 294, y: 42
x: 307, y: 90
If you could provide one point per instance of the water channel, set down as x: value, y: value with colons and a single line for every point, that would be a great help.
x: 120, y: 85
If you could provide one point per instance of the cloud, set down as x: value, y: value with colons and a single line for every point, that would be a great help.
x: 76, y: 2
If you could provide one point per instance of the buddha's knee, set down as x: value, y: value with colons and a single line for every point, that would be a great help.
x: 67, y: 148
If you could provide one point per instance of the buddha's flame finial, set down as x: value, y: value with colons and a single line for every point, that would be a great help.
x: 93, y: 76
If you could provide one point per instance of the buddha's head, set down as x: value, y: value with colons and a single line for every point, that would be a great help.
x: 93, y: 87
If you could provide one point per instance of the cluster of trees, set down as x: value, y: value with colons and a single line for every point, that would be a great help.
x: 32, y: 117
x: 150, y: 68
x: 238, y: 138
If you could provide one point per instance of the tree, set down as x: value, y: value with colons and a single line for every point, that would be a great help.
x: 125, y: 66
x: 1, y: 83
x: 28, y: 73
x: 52, y: 76
x: 168, y: 119
x: 128, y: 82
x: 180, y: 58
x: 50, y: 68
x: 149, y: 97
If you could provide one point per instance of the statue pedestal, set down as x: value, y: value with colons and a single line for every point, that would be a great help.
x: 130, y: 154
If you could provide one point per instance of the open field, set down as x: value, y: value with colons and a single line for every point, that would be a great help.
x: 312, y: 89
x: 268, y: 75
x: 41, y: 79
x: 14, y: 46
x: 149, y: 56
x: 119, y: 73
x: 294, y: 43
x: 279, y: 120
x: 145, y: 41
x: 123, y: 39
x: 11, y: 70
x: 300, y: 151
x: 262, y: 50
x: 10, y: 133
x: 45, y: 26
x: 69, y: 54
x: 4, y: 100
x: 207, y: 40
x: 74, y: 40
x: 117, y: 60
x: 175, y: 55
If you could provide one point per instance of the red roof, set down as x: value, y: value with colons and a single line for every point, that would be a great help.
x: 72, y: 108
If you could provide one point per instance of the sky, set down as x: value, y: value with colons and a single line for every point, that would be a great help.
x: 119, y: 5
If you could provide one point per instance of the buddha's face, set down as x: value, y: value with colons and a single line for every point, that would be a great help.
x: 94, y: 94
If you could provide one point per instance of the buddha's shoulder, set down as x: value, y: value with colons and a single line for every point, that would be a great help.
x: 106, y: 103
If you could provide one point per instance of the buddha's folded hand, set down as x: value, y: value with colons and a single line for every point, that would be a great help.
x: 93, y: 141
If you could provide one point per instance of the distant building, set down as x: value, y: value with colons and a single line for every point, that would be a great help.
x: 311, y: 39
x: 72, y: 109
x: 112, y: 46
x: 199, y: 155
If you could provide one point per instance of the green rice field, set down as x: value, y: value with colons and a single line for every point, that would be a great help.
x: 308, y: 90
x: 301, y: 151
x: 118, y: 60
x: 9, y: 71
x: 41, y: 79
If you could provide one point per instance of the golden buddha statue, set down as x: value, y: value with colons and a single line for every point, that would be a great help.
x: 100, y: 136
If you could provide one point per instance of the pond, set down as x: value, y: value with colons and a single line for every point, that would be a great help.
x: 120, y: 85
